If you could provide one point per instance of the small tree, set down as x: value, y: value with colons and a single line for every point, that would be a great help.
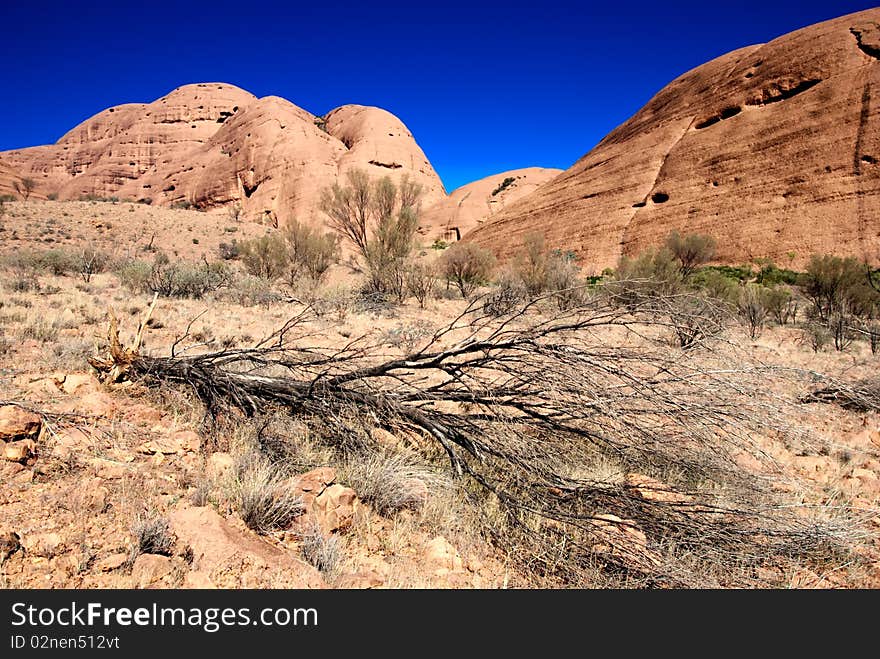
x: 309, y: 252
x: 752, y: 309
x: 380, y: 220
x: 90, y: 261
x: 234, y: 211
x: 692, y: 250
x: 421, y: 279
x: 24, y: 187
x: 532, y: 264
x: 467, y: 265
x: 265, y: 256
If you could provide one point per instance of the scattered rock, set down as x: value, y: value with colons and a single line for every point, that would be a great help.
x: 198, y: 580
x: 71, y: 382
x: 622, y: 540
x: 651, y: 489
x: 442, y: 557
x: 46, y: 545
x: 19, y: 451
x: 16, y: 423
x: 149, y: 569
x: 111, y: 562
x: 312, y: 483
x: 187, y: 440
x: 219, y: 465
x: 10, y: 542
x: 384, y: 438
x: 360, y: 580
x: 334, y: 508
x: 228, y: 555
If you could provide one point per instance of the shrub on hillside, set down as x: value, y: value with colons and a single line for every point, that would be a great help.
x: 691, y: 250
x: 835, y: 284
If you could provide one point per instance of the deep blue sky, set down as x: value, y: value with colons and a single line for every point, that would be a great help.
x: 483, y: 86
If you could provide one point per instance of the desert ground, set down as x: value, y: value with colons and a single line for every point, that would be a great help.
x: 136, y: 484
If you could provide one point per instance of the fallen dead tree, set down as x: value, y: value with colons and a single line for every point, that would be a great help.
x: 561, y: 420
x: 860, y: 396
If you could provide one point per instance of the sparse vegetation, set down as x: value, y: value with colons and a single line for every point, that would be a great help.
x: 152, y: 535
x: 467, y: 266
x: 506, y: 183
x: 261, y: 496
x: 380, y: 220
x: 691, y: 250
x: 24, y: 187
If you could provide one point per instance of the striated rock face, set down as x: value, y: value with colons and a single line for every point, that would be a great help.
x: 772, y: 149
x: 211, y: 144
x: 475, y: 203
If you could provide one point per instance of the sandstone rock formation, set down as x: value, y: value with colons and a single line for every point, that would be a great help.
x: 773, y: 149
x: 212, y: 144
x: 470, y: 205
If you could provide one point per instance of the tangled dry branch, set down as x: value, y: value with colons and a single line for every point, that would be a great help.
x: 532, y: 410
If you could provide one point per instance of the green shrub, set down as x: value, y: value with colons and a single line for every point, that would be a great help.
x: 467, y: 266
x: 134, y: 274
x: 182, y: 279
x: 265, y: 256
x: 839, y: 285
x: 691, y: 250
x: 309, y: 252
x: 717, y: 284
x: 506, y: 183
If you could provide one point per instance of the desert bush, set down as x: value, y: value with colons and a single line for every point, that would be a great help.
x: 59, y: 262
x: 229, y: 251
x: 833, y: 283
x: 392, y: 482
x: 309, y: 252
x: 380, y: 220
x: 509, y: 294
x: 691, y: 250
x: 467, y: 266
x: 873, y: 332
x: 694, y: 319
x: 90, y: 261
x: 234, y: 211
x: 840, y: 327
x: 407, y: 337
x: 265, y: 256
x: 337, y: 300
x: 24, y: 187
x: 261, y: 494
x: 752, y: 309
x: 134, y: 274
x: 653, y: 273
x: 321, y: 551
x: 780, y: 304
x: 717, y: 285
x: 152, y: 535
x: 816, y: 335
x: 421, y: 280
x: 183, y: 279
x: 564, y: 280
x: 531, y: 264
x: 251, y: 291
x: 39, y: 329
x: 770, y: 275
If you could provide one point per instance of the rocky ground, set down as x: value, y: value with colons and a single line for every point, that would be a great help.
x: 124, y: 486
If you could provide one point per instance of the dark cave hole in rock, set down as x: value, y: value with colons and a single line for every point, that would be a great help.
x: 659, y: 197
x: 250, y: 189
x: 640, y: 204
x: 871, y: 160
